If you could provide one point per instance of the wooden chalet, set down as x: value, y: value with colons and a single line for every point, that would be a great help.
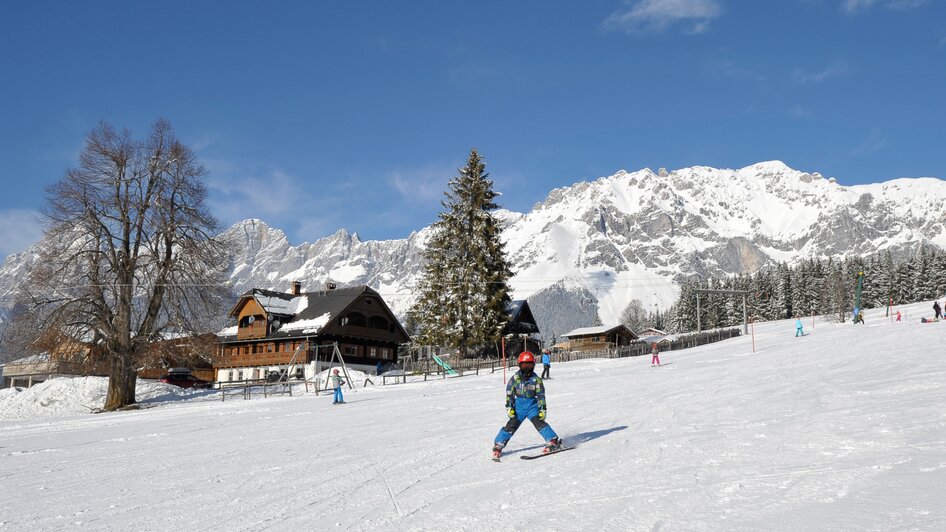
x: 194, y: 352
x: 599, y: 338
x: 65, y: 358
x: 271, y: 325
x: 521, y: 328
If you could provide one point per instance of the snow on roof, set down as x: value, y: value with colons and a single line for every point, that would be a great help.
x: 657, y: 338
x: 228, y: 331
x: 590, y: 330
x: 285, y: 306
x: 309, y: 326
x: 32, y: 359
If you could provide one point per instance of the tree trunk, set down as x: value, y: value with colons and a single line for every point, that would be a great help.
x: 122, y: 379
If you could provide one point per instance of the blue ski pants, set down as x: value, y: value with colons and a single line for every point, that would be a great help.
x: 338, y: 395
x: 505, y: 433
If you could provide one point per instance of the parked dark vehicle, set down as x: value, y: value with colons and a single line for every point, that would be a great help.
x: 184, y: 379
x: 275, y: 376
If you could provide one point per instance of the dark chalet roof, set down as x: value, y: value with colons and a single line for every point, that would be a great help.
x: 306, y: 314
x: 521, y: 320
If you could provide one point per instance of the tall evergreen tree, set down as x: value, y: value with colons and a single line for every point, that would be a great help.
x: 464, y: 292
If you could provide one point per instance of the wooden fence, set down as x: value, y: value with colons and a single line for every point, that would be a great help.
x: 464, y: 366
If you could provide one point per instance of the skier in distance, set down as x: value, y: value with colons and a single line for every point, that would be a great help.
x: 337, y: 383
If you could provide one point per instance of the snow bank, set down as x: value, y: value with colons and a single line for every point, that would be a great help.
x: 66, y: 396
x: 355, y: 375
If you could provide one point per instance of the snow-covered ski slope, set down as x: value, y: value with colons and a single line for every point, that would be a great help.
x: 843, y: 429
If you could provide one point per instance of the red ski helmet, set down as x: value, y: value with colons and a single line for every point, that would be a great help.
x: 526, y: 356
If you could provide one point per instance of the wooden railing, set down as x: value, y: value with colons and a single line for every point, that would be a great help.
x: 257, y: 330
x: 259, y: 359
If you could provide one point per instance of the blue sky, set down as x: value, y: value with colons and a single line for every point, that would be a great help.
x: 316, y: 116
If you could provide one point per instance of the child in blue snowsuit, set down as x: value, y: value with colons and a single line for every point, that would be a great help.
x: 798, y: 328
x: 337, y: 383
x: 525, y: 399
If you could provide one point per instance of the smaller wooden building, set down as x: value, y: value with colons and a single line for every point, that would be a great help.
x: 599, y: 338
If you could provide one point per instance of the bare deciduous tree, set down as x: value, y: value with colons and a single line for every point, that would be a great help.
x: 129, y: 252
x: 634, y: 316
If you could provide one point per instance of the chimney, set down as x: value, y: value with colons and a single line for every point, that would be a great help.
x: 329, y: 285
x: 296, y: 288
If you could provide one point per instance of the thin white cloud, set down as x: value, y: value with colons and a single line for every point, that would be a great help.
x: 20, y: 228
x: 657, y: 15
x: 874, y: 142
x: 860, y: 6
x: 833, y: 71
x: 281, y: 200
x: 800, y: 111
x: 423, y: 184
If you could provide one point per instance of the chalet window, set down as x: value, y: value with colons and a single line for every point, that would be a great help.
x: 368, y: 301
x: 343, y: 321
x: 373, y: 352
x: 240, y: 375
x: 357, y: 319
x: 351, y: 350
x: 377, y: 322
x: 386, y: 353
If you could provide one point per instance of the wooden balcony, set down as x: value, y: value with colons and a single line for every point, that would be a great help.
x: 368, y: 332
x: 257, y: 330
x: 258, y: 359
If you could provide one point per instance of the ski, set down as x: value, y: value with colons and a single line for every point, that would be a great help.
x: 534, y: 456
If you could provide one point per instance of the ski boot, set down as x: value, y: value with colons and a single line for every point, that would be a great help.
x: 555, y: 444
x: 497, y: 451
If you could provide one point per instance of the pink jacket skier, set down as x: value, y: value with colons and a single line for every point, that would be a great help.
x: 654, y: 354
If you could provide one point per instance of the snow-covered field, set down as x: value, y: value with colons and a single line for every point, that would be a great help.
x: 844, y: 429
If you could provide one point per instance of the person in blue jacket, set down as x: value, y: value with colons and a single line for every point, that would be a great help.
x: 798, y: 328
x: 525, y: 399
x: 546, y: 363
x: 337, y: 383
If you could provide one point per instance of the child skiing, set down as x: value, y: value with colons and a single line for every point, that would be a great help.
x: 525, y: 399
x: 898, y: 315
x: 798, y: 328
x: 546, y: 363
x: 337, y: 383
x: 654, y: 355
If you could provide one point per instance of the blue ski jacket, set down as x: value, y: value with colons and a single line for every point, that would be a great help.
x: 525, y: 395
x: 546, y: 359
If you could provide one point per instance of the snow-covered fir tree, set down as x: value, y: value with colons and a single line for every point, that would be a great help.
x: 463, y: 294
x: 814, y: 286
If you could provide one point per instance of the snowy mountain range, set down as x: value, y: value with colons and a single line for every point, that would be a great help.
x: 582, y: 254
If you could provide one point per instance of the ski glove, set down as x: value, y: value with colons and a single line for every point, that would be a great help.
x: 512, y: 413
x: 541, y: 415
